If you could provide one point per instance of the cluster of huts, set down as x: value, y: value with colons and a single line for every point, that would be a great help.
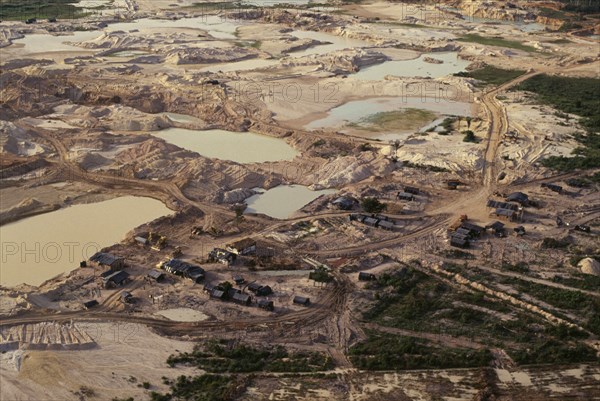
x: 408, y: 194
x: 114, y: 276
x: 553, y: 187
x: 222, y: 256
x: 239, y: 296
x: 464, y: 234
x: 180, y: 268
x: 511, y: 209
x: 374, y: 220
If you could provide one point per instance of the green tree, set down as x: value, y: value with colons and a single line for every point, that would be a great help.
x: 469, y: 136
x: 372, y: 205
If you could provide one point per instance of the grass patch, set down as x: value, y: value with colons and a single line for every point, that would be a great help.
x: 491, y: 75
x: 495, y: 41
x: 406, y: 119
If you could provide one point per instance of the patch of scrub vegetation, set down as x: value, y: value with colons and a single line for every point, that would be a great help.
x: 382, y: 351
x: 372, y: 205
x: 254, y: 44
x: 584, y: 181
x: 456, y: 254
x: 219, y: 5
x: 201, y: 388
x: 561, y: 41
x: 495, y: 41
x: 579, y: 96
x: 435, y: 169
x: 411, y: 300
x: 318, y: 142
x: 583, y: 7
x: 580, y: 281
x: 403, y: 25
x: 447, y: 125
x: 405, y: 119
x: 586, y: 306
x: 224, y: 356
x: 491, y: 75
x: 22, y: 10
x: 555, y: 352
x: 470, y: 136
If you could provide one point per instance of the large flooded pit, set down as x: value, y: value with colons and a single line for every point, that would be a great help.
x: 241, y: 147
x: 38, y: 248
x: 44, y: 43
x: 347, y: 114
x: 426, y: 65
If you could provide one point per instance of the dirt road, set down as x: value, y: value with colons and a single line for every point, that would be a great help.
x: 497, y: 128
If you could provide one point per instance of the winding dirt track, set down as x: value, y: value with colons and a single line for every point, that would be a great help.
x: 332, y: 303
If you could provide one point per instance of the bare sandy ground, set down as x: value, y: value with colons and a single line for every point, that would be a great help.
x: 126, y: 355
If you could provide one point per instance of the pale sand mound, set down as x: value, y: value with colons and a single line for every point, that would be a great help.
x: 90, y: 161
x: 18, y: 141
x: 589, y: 266
x: 26, y: 205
